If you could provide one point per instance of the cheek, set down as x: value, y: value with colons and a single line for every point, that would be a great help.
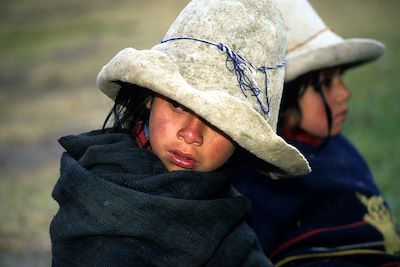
x: 314, y: 113
x: 313, y: 116
x: 159, y: 127
x: 311, y: 103
x: 221, y: 150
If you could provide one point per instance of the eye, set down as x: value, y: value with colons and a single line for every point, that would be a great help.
x: 178, y: 106
x: 326, y: 82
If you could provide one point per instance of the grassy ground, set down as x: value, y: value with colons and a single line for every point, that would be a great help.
x: 51, y: 52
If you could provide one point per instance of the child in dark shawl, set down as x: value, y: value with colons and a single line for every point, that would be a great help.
x: 154, y: 189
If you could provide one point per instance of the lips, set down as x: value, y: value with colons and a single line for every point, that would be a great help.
x: 341, y: 116
x: 182, y: 160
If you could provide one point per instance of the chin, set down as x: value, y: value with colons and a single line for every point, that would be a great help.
x: 336, y: 132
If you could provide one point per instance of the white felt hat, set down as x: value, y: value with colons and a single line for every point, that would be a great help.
x: 313, y: 46
x: 223, y: 59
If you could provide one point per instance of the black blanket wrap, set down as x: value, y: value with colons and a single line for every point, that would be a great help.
x: 119, y: 206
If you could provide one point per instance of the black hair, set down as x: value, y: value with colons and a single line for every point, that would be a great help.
x: 129, y: 108
x: 293, y: 91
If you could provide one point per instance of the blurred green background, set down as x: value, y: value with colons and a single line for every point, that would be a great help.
x: 51, y: 52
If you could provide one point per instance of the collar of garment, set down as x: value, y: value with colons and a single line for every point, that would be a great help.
x: 299, y: 135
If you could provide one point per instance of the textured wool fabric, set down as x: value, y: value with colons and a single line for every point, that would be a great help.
x: 119, y: 206
x: 220, y: 82
x: 334, y: 215
x: 312, y: 45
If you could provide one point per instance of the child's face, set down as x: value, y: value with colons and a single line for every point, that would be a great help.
x: 183, y: 141
x: 314, y: 119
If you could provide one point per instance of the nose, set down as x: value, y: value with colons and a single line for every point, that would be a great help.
x: 344, y: 93
x: 192, y: 130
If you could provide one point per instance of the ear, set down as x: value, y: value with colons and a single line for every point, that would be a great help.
x: 149, y: 102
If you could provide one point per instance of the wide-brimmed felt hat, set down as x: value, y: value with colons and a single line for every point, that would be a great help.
x: 314, y: 46
x: 224, y: 60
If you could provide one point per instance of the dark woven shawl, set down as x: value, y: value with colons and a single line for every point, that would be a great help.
x: 120, y: 207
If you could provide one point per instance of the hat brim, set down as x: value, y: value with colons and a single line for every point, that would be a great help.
x: 154, y: 70
x: 352, y: 52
